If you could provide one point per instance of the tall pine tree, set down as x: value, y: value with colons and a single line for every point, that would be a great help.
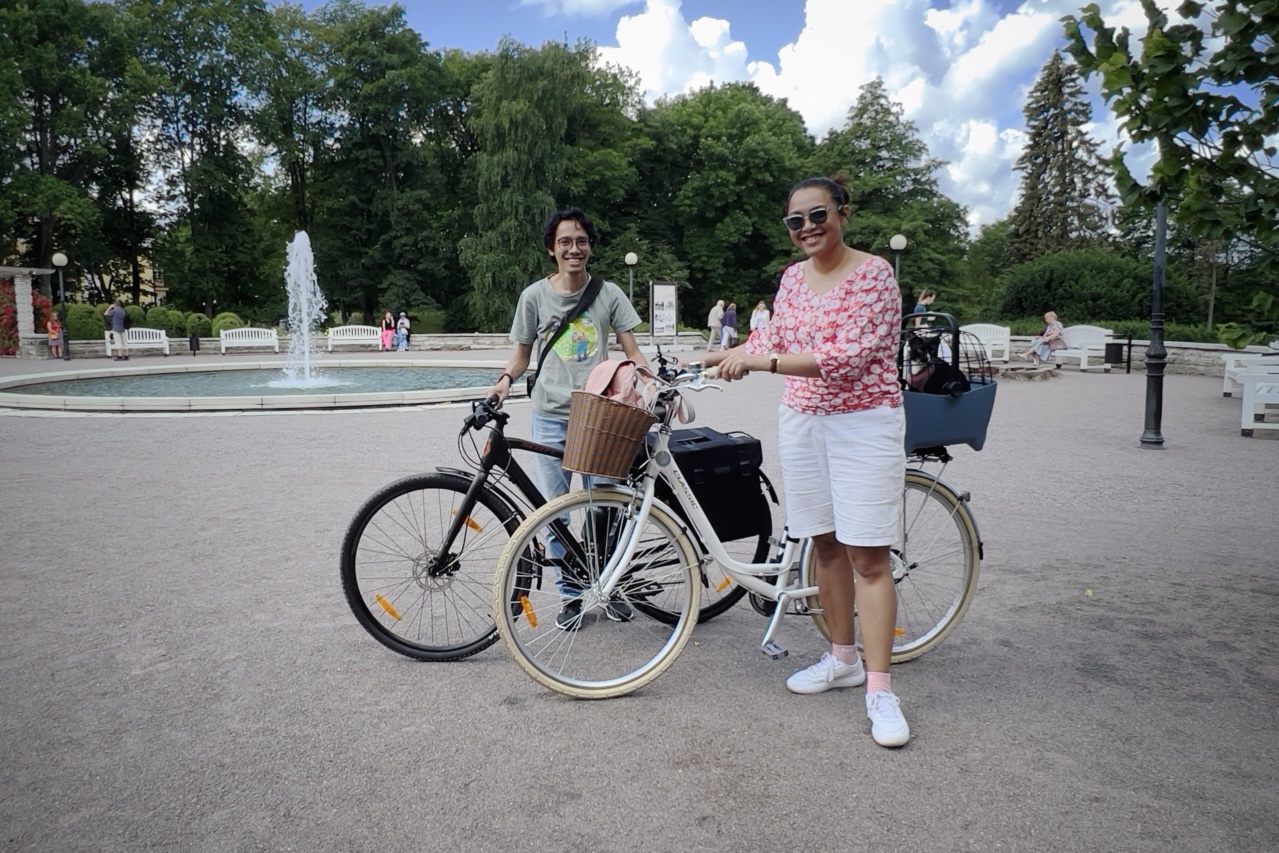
x: 1064, y: 181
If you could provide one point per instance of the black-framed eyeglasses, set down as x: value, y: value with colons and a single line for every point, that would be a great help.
x: 817, y: 216
x: 569, y: 242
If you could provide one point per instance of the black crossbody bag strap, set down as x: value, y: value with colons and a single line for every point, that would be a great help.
x: 592, y: 289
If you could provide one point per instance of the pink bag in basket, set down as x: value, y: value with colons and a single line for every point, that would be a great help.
x: 618, y: 380
x: 626, y: 382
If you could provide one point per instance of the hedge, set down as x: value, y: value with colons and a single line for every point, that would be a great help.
x: 85, y: 322
x: 198, y: 324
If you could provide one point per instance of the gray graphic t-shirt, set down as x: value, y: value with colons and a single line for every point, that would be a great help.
x: 583, y: 345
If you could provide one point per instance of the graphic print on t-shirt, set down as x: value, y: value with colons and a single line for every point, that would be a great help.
x: 579, y: 342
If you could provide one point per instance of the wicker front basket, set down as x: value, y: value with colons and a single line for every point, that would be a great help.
x: 604, y: 435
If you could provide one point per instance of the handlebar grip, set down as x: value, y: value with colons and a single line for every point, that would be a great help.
x: 711, y: 372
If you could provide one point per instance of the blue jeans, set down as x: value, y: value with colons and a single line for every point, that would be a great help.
x: 553, y: 481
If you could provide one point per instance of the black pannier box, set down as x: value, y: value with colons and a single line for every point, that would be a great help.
x: 724, y: 472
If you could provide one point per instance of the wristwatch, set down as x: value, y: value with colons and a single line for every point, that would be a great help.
x: 772, y: 361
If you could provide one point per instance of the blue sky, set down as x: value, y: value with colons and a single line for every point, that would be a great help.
x: 960, y: 68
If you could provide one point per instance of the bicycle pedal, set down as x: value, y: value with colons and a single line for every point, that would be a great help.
x: 774, y: 650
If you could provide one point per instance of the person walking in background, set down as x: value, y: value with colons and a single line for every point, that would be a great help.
x: 729, y: 325
x: 841, y: 427
x: 115, y: 324
x: 923, y: 305
x: 714, y: 322
x: 759, y: 317
x: 388, y: 331
x: 571, y: 339
x: 402, y: 330
x: 54, y: 328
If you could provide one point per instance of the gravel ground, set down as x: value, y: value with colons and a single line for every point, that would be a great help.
x: 181, y: 672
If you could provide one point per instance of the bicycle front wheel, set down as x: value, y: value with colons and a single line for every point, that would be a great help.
x: 416, y: 594
x: 612, y: 646
x: 935, y: 562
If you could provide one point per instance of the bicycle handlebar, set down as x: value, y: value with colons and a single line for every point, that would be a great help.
x: 482, y: 411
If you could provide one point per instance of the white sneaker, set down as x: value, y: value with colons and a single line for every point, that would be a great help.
x: 828, y: 673
x: 887, y: 725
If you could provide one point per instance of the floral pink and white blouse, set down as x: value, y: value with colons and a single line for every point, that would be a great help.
x: 852, y: 330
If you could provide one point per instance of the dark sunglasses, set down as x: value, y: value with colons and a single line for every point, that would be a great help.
x: 817, y: 216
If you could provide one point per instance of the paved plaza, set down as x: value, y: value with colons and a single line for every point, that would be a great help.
x: 180, y: 670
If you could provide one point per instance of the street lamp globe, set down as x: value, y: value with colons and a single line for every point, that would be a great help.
x: 59, y: 260
x: 897, y: 242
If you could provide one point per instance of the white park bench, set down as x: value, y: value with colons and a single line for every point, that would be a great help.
x: 1081, y: 343
x: 355, y: 335
x: 993, y: 338
x: 1260, y: 397
x: 1237, y: 363
x: 139, y: 338
x: 248, y: 336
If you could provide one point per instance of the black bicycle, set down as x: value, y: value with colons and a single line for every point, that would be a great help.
x: 417, y: 560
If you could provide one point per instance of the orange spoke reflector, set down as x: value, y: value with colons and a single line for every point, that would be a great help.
x: 725, y: 585
x: 899, y: 631
x: 471, y: 523
x: 528, y: 611
x: 386, y: 605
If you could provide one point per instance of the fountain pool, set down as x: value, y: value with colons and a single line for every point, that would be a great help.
x: 249, y: 386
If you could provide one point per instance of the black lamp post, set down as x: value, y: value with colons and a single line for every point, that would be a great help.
x: 631, y: 260
x: 1156, y: 355
x: 60, y: 261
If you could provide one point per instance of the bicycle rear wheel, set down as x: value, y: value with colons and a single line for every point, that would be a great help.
x: 595, y: 656
x: 406, y: 588
x: 935, y: 563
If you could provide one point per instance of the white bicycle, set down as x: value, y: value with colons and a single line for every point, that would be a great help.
x: 619, y: 542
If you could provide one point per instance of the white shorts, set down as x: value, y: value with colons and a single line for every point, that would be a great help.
x: 844, y: 473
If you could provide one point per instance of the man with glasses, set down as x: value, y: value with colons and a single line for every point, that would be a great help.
x: 569, y: 237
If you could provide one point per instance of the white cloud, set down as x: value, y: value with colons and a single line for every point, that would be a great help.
x: 961, y: 73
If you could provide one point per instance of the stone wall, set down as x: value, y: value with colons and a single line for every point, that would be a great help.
x: 1183, y: 358
x: 37, y: 346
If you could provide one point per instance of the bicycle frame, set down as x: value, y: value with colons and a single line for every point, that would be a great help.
x: 496, y: 454
x: 781, y: 589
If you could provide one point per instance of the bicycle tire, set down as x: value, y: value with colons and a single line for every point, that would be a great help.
x: 386, y: 554
x: 928, y: 608
x: 598, y: 657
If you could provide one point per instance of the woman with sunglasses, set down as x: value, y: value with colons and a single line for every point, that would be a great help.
x: 833, y: 334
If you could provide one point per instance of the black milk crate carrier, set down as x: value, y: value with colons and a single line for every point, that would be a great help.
x: 948, y: 386
x: 724, y: 472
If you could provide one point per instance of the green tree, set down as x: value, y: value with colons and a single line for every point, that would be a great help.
x: 713, y: 185
x: 1063, y: 177
x: 204, y: 61
x: 378, y: 242
x: 1205, y: 91
x: 53, y: 99
x: 521, y: 114
x: 895, y: 190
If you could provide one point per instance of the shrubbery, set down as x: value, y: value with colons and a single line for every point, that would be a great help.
x: 172, y: 323
x: 199, y: 325
x: 1087, y: 286
x: 224, y: 320
x: 85, y: 322
x: 137, y: 315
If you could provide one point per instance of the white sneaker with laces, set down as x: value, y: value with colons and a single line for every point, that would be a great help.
x: 828, y: 673
x: 887, y: 725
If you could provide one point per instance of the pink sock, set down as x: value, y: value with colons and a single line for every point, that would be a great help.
x: 878, y: 681
x: 845, y: 654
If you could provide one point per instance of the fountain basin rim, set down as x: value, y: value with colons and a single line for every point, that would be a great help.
x: 12, y: 397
